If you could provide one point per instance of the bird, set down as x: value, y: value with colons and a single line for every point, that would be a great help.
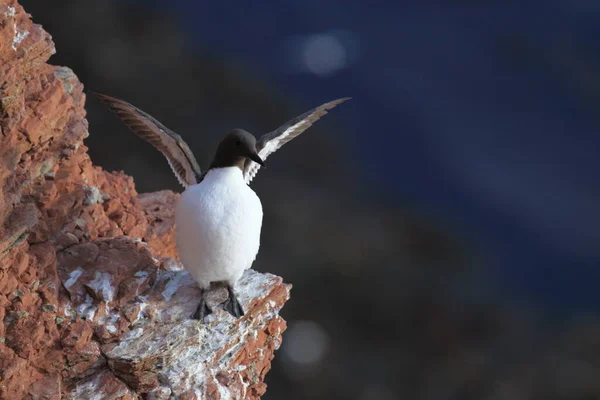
x: 218, y: 218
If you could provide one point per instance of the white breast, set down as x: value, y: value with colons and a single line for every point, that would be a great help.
x: 217, y: 227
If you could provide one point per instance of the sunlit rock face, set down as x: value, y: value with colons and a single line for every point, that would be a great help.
x: 93, y: 301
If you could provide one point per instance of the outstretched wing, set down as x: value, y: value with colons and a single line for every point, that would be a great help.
x: 271, y: 142
x: 178, y: 154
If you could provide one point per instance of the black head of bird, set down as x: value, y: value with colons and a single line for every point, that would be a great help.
x: 235, y: 147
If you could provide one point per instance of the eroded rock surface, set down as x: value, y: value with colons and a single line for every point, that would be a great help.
x: 93, y: 302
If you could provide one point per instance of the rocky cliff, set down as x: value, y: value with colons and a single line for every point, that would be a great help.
x: 93, y: 302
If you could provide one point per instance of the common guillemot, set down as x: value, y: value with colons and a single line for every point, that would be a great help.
x: 219, y: 217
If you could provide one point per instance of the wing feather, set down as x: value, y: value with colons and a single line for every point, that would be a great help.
x: 272, y: 141
x: 170, y: 144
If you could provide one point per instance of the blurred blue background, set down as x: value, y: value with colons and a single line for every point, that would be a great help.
x: 443, y: 220
x: 481, y: 113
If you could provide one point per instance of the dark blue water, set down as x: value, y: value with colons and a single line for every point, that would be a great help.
x: 484, y: 114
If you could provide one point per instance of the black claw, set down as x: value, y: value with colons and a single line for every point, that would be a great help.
x: 232, y: 305
x: 202, y: 310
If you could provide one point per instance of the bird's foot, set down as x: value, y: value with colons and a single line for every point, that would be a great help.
x: 202, y: 310
x: 232, y: 305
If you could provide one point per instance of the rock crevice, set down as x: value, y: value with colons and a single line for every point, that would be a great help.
x: 93, y: 302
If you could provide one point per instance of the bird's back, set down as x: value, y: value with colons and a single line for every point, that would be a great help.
x: 218, y: 223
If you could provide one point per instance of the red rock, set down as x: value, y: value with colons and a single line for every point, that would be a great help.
x: 104, y: 383
x: 80, y: 253
x: 77, y: 334
x: 84, y: 361
x: 47, y: 388
x: 8, y: 283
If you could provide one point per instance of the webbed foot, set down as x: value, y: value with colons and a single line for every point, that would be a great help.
x: 232, y: 305
x: 202, y: 310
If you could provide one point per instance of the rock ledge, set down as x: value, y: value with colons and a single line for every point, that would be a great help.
x: 93, y: 302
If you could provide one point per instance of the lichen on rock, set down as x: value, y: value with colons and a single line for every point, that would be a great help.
x: 93, y: 302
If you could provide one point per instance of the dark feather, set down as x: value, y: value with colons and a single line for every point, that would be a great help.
x: 272, y: 141
x: 171, y: 145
